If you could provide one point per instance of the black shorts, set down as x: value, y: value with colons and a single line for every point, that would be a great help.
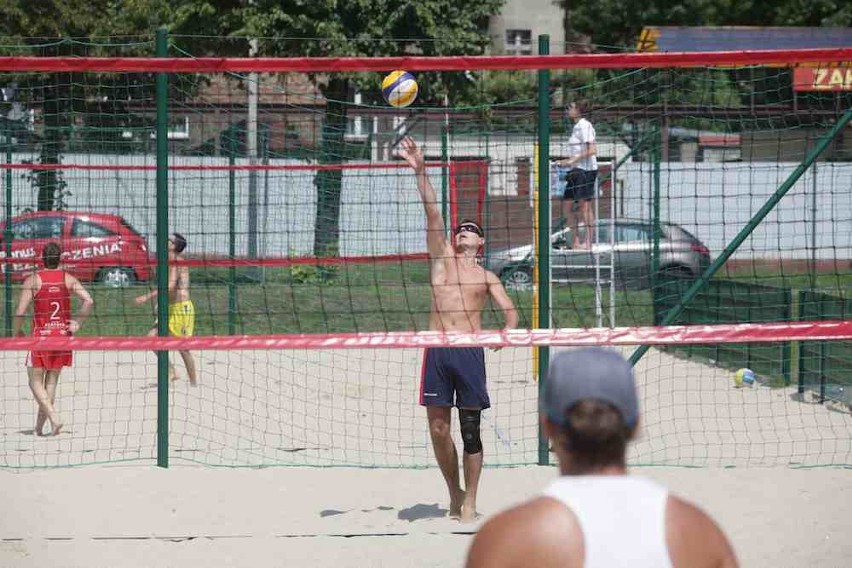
x: 454, y: 376
x: 580, y: 184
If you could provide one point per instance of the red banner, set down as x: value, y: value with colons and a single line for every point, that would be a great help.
x: 822, y: 79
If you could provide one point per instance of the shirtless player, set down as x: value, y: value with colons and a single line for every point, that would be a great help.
x: 455, y: 376
x: 181, y: 308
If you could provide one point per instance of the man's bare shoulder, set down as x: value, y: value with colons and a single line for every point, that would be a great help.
x: 490, y: 277
x: 445, y: 251
x: 71, y: 281
x: 694, y: 539
x: 541, y: 532
x: 32, y: 282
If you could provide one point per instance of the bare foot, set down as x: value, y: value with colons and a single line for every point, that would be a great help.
x: 55, y: 427
x: 468, y: 513
x: 456, y: 504
x: 173, y: 376
x: 39, y: 427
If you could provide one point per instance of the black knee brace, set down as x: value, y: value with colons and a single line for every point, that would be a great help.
x: 469, y: 420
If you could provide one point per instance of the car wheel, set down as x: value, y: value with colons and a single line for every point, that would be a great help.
x: 517, y: 278
x: 117, y: 276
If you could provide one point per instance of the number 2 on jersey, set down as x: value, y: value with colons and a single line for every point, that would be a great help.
x: 56, y: 307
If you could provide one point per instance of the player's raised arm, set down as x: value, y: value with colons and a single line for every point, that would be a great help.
x: 502, y: 299
x: 436, y: 240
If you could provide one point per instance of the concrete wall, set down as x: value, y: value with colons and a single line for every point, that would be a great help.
x: 538, y: 16
x: 714, y: 201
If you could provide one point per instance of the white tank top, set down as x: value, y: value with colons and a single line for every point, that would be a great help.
x: 623, y: 518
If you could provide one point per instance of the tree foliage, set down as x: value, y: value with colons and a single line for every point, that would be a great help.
x: 334, y: 28
x: 92, y: 28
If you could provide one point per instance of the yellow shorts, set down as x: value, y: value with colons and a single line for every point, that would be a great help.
x: 182, y: 319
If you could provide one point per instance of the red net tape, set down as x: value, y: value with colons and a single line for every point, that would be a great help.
x: 329, y: 64
x: 649, y: 335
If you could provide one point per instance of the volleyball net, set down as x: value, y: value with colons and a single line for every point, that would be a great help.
x: 722, y: 206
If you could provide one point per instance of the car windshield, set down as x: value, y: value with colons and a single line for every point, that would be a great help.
x: 130, y: 228
x: 678, y: 232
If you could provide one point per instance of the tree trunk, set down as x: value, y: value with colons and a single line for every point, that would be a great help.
x: 329, y: 182
x: 49, y: 182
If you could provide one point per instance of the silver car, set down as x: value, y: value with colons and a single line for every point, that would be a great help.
x: 681, y: 254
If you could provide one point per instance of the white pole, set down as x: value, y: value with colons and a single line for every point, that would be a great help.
x: 251, y: 150
x: 596, y: 253
x: 612, y: 185
x: 357, y: 123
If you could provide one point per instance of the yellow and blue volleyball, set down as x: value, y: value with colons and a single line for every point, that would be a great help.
x: 743, y: 377
x: 399, y: 88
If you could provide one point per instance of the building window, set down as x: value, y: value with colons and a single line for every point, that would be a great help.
x: 178, y: 130
x: 519, y: 42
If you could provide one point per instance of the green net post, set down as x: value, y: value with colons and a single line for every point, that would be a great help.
x: 812, y: 270
x: 692, y: 292
x: 232, y: 236
x: 7, y: 238
x: 787, y: 346
x: 445, y: 176
x: 162, y: 252
x: 801, y: 298
x: 543, y: 253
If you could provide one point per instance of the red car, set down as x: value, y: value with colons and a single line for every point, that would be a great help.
x: 96, y: 247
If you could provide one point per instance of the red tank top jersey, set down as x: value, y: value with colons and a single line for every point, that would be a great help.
x: 51, y: 305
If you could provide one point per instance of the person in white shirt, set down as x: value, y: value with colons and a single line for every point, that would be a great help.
x: 580, y: 184
x: 595, y: 515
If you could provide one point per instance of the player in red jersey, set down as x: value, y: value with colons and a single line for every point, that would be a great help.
x: 50, y: 293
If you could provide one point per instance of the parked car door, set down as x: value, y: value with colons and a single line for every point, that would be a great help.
x: 584, y: 265
x: 633, y: 256
x: 88, y: 246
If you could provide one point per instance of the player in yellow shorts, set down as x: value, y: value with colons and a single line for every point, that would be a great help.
x: 181, y: 309
x: 182, y: 319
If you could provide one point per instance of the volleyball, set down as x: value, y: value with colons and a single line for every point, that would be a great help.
x: 399, y: 88
x: 744, y: 377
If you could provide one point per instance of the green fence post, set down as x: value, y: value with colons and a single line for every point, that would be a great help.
x: 7, y: 240
x: 232, y: 237
x: 162, y: 252
x: 787, y: 346
x: 543, y: 254
x: 800, y: 372
x: 656, y: 151
x: 770, y: 204
x: 264, y: 229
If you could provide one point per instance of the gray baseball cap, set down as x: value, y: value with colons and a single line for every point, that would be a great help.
x: 590, y: 373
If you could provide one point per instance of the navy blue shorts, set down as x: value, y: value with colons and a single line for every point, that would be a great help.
x: 454, y: 376
x: 580, y: 184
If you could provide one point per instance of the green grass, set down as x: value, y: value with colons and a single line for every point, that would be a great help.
x: 364, y: 298
x: 830, y: 283
x: 356, y: 299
